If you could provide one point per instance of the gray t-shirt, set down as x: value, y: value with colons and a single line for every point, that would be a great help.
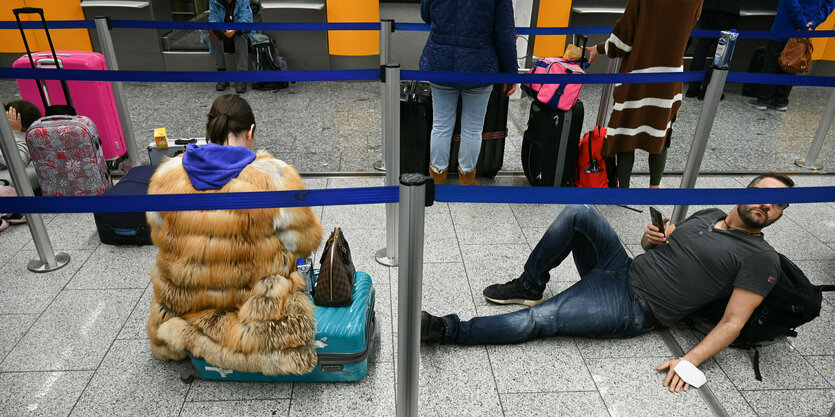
x: 702, y: 264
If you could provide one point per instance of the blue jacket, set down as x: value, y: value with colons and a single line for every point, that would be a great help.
x: 469, y: 36
x: 217, y: 12
x: 794, y: 14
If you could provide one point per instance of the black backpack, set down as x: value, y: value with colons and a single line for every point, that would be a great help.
x: 793, y: 302
x: 267, y: 59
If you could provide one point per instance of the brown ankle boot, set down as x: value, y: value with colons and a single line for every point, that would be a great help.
x: 438, y: 176
x: 467, y: 178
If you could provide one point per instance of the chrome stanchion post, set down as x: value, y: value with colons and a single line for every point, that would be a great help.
x: 103, y: 30
x: 386, y: 28
x: 606, y: 95
x: 410, y: 289
x: 713, y: 93
x: 47, y: 260
x: 700, y: 137
x: 391, y: 135
x: 820, y: 136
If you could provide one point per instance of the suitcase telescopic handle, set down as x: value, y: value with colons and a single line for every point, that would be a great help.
x: 35, y: 10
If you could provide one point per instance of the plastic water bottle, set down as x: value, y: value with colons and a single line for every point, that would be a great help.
x: 725, y: 49
x: 305, y: 268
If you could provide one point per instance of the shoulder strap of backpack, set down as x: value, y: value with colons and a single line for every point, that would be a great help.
x: 756, y: 364
x: 827, y: 288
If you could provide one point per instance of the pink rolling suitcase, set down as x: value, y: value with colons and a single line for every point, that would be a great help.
x: 93, y: 99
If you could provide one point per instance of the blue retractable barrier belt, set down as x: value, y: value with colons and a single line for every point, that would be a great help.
x: 190, y: 76
x: 208, y: 201
x: 701, y: 196
x: 782, y: 79
x: 507, y: 78
x: 51, y: 24
x: 390, y: 194
x: 420, y: 27
x: 152, y: 24
x: 374, y: 74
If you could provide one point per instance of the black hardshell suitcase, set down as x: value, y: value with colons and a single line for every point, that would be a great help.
x: 550, y: 145
x: 127, y: 228
x: 491, y: 157
x: 415, y: 126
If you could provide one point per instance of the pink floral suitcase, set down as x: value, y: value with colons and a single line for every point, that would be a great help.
x: 93, y: 99
x: 68, y: 156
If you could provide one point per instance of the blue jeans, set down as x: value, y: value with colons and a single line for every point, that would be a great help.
x: 444, y: 106
x: 602, y: 304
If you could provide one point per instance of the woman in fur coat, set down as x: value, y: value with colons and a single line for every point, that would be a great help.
x: 225, y: 282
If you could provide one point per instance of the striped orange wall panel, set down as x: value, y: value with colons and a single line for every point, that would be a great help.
x: 824, y: 48
x: 552, y: 13
x: 353, y: 42
x: 72, y: 39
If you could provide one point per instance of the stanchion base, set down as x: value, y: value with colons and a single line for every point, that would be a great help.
x: 802, y: 163
x: 382, y: 259
x: 379, y: 166
x: 36, y: 265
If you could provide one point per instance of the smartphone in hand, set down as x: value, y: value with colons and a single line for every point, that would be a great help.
x: 657, y: 218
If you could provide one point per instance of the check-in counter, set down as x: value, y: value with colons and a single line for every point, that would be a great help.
x: 350, y: 49
x: 136, y: 49
x: 754, y: 15
x: 11, y: 43
x: 303, y: 49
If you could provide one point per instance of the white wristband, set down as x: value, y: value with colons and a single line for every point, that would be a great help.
x: 689, y: 373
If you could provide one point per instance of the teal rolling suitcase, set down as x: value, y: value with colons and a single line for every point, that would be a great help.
x: 344, y: 339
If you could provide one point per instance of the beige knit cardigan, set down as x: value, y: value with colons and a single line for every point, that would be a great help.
x: 651, y: 37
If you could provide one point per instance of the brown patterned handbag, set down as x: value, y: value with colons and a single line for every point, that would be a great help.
x: 336, y: 274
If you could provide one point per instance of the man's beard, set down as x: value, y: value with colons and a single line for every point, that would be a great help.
x: 747, y: 216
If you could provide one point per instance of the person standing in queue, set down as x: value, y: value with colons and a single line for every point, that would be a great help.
x: 230, y: 11
x: 650, y: 36
x: 465, y: 36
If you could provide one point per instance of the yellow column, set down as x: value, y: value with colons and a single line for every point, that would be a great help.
x: 353, y: 42
x: 68, y: 39
x: 552, y: 13
x: 824, y: 48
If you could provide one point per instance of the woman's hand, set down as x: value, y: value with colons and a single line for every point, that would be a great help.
x: 14, y: 119
x: 593, y: 54
x: 509, y: 89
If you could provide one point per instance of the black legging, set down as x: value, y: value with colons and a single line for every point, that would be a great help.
x: 625, y: 161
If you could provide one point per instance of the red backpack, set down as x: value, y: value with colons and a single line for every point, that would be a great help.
x: 591, y: 167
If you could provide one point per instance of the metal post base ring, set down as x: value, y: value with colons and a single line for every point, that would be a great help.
x: 802, y: 163
x: 379, y: 165
x: 383, y: 259
x: 37, y: 265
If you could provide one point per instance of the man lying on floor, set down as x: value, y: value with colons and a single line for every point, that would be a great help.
x: 708, y: 256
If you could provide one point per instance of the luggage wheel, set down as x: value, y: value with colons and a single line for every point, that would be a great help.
x: 189, y: 375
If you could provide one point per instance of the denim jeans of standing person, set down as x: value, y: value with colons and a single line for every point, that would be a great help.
x: 241, y: 43
x: 444, y: 106
x: 602, y: 304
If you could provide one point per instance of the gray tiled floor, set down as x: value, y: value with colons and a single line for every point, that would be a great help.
x: 73, y: 342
